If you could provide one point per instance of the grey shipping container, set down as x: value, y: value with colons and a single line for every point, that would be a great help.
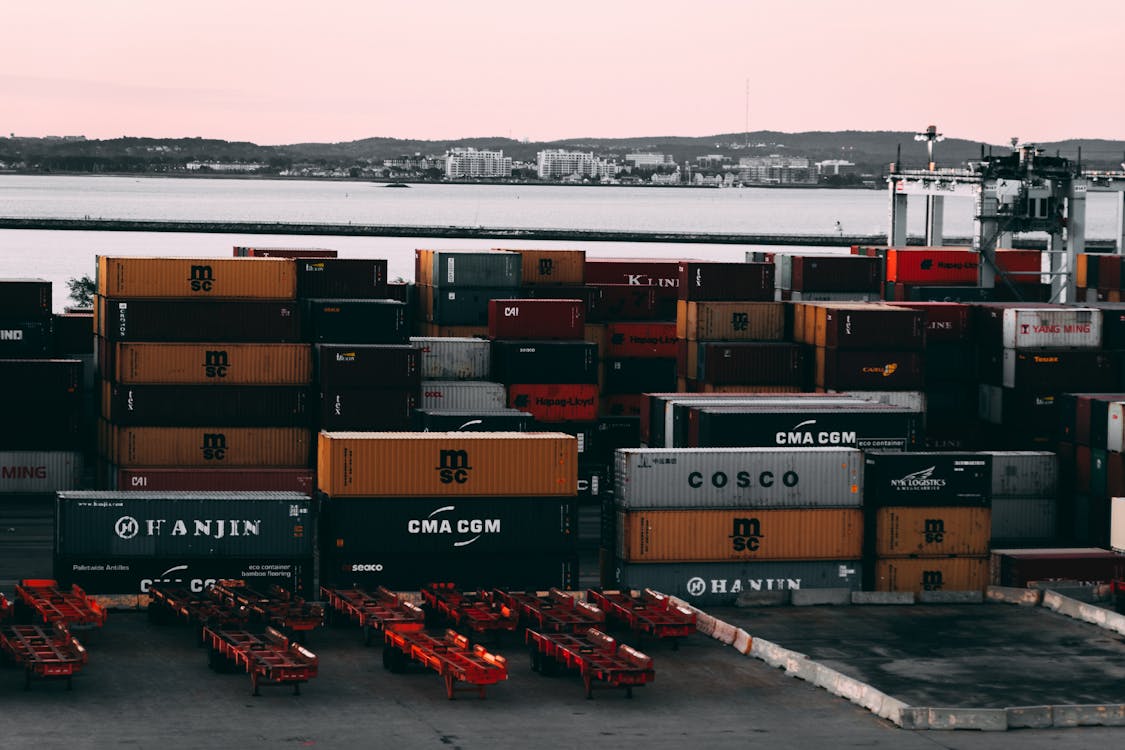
x: 188, y: 524
x: 483, y: 269
x: 31, y: 472
x: 648, y: 478
x: 719, y: 584
x: 460, y: 420
x: 454, y: 358
x: 473, y: 395
x: 105, y: 575
x: 462, y: 305
x: 1024, y: 474
x: 1024, y: 518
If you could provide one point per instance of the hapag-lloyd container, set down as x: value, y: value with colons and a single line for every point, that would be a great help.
x: 730, y: 321
x: 641, y: 340
x: 454, y: 358
x: 714, y: 478
x: 741, y: 534
x: 555, y: 402
x: 722, y: 583
x: 933, y: 266
x: 550, y: 267
x: 536, y: 319
x: 213, y: 364
x: 245, y: 479
x: 260, y: 278
x: 920, y: 574
x: 725, y: 281
x: 228, y: 320
x: 474, y: 395
x: 208, y: 446
x: 33, y: 472
x: 196, y: 405
x: 342, y: 278
x: 467, y: 268
x: 367, y: 365
x: 1024, y: 474
x: 1046, y: 328
x: 431, y: 464
x: 935, y: 531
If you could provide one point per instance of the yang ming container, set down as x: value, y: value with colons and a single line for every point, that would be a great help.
x: 35, y: 472
x: 463, y: 394
x: 262, y: 278
x: 927, y: 478
x: 459, y: 268
x: 274, y: 321
x: 722, y: 583
x: 208, y: 446
x: 356, y: 321
x: 340, y: 278
x: 932, y: 532
x: 454, y: 358
x: 1048, y: 328
x: 213, y: 364
x: 189, y: 405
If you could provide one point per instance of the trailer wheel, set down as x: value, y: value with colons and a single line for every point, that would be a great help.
x: 548, y: 666
x: 398, y: 661
x: 536, y: 658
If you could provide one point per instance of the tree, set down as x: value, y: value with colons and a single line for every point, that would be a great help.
x: 82, y: 291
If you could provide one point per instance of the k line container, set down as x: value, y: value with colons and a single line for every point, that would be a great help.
x: 473, y: 395
x: 1046, y: 328
x: 743, y: 534
x: 555, y: 402
x: 454, y: 358
x: 262, y: 278
x: 356, y: 321
x: 340, y: 278
x: 431, y: 464
x: 466, y: 268
x: 1024, y: 474
x: 1024, y: 518
x: 633, y: 302
x: 714, y: 478
x: 213, y: 364
x: 946, y: 322
x: 544, y: 362
x: 931, y: 574
x: 209, y: 446
x: 25, y: 298
x: 722, y: 583
x: 725, y: 281
x: 367, y: 366
x: 643, y: 272
x: 191, y: 405
x: 927, y: 479
x: 34, y: 472
x: 25, y: 338
x: 930, y: 532
x: 1089, y: 565
x: 536, y: 319
x: 215, y: 480
x: 274, y: 321
x: 730, y: 321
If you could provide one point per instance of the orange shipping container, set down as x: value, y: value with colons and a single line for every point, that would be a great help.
x: 547, y: 267
x: 932, y: 531
x: 209, y: 446
x: 214, y: 364
x: 918, y: 574
x: 730, y: 321
x: 439, y: 464
x: 749, y: 534
x: 247, y: 278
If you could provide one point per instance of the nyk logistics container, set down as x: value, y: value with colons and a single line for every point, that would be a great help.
x: 340, y: 278
x: 713, y: 478
x: 274, y: 321
x: 430, y: 464
x: 555, y: 402
x: 918, y: 574
x: 722, y: 583
x: 245, y: 479
x: 264, y: 278
x: 536, y: 318
x: 208, y: 446
x: 927, y: 478
x: 198, y: 405
x: 730, y: 321
x: 213, y: 364
x: 932, y: 531
x: 367, y: 365
x: 34, y: 472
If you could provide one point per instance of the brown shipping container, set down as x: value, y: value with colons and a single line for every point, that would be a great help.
x: 730, y: 321
x: 918, y: 574
x: 843, y: 370
x: 216, y: 480
x: 846, y: 273
x: 643, y: 272
x: 746, y: 362
x: 725, y: 281
x: 549, y: 267
x: 945, y: 321
x: 433, y: 330
x: 214, y: 364
x: 431, y: 464
x: 536, y: 319
x: 746, y: 534
x: 932, y: 531
x: 209, y: 446
x: 258, y: 278
x: 869, y: 326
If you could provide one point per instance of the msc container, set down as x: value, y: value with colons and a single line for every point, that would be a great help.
x: 283, y: 252
x: 212, y: 364
x: 864, y: 426
x: 382, y: 409
x: 102, y: 575
x: 1089, y: 565
x: 454, y: 358
x: 25, y: 298
x: 471, y: 527
x: 245, y: 479
x: 531, y: 572
x: 474, y: 395
x: 555, y: 402
x: 208, y: 446
x: 927, y: 478
x: 932, y: 266
x: 1024, y: 518
x: 639, y: 375
x: 34, y: 472
x: 931, y: 574
x: 730, y: 321
x: 274, y: 321
x: 194, y: 406
x: 368, y: 366
x: 1060, y: 370
x: 744, y: 534
x: 340, y: 278
x: 760, y: 363
x: 1047, y: 328
x: 830, y: 273
x: 429, y: 464
x: 468, y: 420
x: 946, y: 322
x: 649, y: 340
x: 536, y: 319
x: 468, y: 268
x: 550, y: 267
x: 545, y: 361
x: 655, y: 478
x: 722, y: 583
x: 932, y: 531
x: 25, y: 338
x: 643, y: 272
x: 461, y: 306
x: 356, y: 321
x: 262, y: 278
x: 705, y: 281
x: 1024, y: 474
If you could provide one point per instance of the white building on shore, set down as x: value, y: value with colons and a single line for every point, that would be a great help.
x: 554, y: 164
x: 469, y: 162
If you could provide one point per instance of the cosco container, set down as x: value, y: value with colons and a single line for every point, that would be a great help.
x: 25, y: 298
x: 536, y: 319
x: 931, y: 574
x: 1088, y: 565
x: 102, y: 575
x: 245, y: 479
x: 367, y: 366
x: 429, y: 464
x: 544, y: 362
x: 640, y: 340
x: 1024, y: 473
x: 261, y: 278
x: 1047, y: 328
x: 212, y: 364
x: 927, y: 478
x: 713, y: 478
x: 550, y: 267
x: 208, y: 446
x: 34, y: 472
x: 864, y: 426
x: 340, y: 278
x: 1016, y: 519
x: 474, y: 395
x: 531, y: 572
x: 742, y: 534
x: 932, y: 531
x: 706, y: 281
x: 1054, y: 370
x: 229, y: 320
x: 454, y: 358
x: 555, y: 402
x: 730, y: 321
x: 467, y: 268
x: 468, y: 420
x: 356, y: 321
x: 722, y: 583
x: 194, y: 406
x: 25, y: 338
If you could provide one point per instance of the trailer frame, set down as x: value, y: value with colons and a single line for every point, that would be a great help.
x: 374, y: 611
x: 477, y: 611
x: 271, y: 659
x: 597, y: 657
x: 554, y: 610
x: 73, y: 607
x: 451, y: 657
x: 45, y: 653
x: 648, y: 613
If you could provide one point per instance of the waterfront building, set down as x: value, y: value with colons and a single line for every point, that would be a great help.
x: 831, y: 167
x: 469, y: 162
x: 554, y: 164
x: 649, y: 161
x: 776, y: 170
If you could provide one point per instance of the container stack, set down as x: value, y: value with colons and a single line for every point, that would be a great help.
x: 1091, y: 452
x: 455, y: 286
x: 711, y: 526
x: 1025, y: 504
x: 41, y: 445
x: 478, y: 509
x: 633, y: 289
x: 928, y: 521
x: 827, y: 278
x: 204, y: 375
x: 931, y: 274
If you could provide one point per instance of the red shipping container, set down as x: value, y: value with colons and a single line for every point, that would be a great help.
x: 1023, y: 265
x: 646, y: 340
x: 933, y: 266
x: 628, y: 302
x: 845, y: 273
x: 216, y: 480
x: 663, y: 272
x: 536, y: 319
x: 1109, y: 273
x: 562, y: 402
x: 718, y: 282
x: 945, y: 321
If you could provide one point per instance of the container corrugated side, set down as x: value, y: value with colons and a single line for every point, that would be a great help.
x: 473, y: 395
x: 454, y: 358
x: 209, y: 446
x: 102, y: 575
x: 931, y: 574
x: 550, y: 267
x: 730, y: 321
x: 1050, y: 327
x: 32, y: 472
x: 214, y: 364
x: 722, y: 583
x: 1024, y: 473
x: 469, y: 268
x: 929, y: 532
x: 215, y: 480
x: 1030, y: 518
x: 431, y: 464
x: 262, y: 278
x: 654, y: 478
x: 745, y: 534
x: 1117, y: 524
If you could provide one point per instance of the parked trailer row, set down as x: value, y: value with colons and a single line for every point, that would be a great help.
x: 269, y: 659
x: 597, y: 657
x: 54, y: 605
x: 476, y: 611
x: 462, y: 667
x: 380, y: 610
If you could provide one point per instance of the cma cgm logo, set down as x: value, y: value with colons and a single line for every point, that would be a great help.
x: 202, y: 279
x: 453, y: 467
x: 176, y: 575
x: 803, y: 434
x: 440, y: 523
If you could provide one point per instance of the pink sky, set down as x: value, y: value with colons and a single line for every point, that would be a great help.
x: 338, y: 70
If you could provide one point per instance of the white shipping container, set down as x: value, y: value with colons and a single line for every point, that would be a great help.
x: 33, y: 472
x: 454, y: 358
x: 1117, y: 524
x: 1115, y: 427
x: 1024, y: 518
x: 1052, y: 328
x: 473, y: 395
x: 1024, y: 474
x: 715, y: 478
x: 912, y: 400
x: 751, y: 399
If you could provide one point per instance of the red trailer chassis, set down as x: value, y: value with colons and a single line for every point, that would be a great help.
x: 5, y: 609
x: 43, y: 652
x: 270, y: 659
x: 451, y: 657
x: 53, y: 605
x: 597, y: 657
x: 475, y: 611
x: 194, y: 608
x: 277, y: 606
x: 650, y: 613
x: 554, y: 611
x: 379, y: 611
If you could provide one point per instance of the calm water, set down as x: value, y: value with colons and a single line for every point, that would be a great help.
x: 59, y: 256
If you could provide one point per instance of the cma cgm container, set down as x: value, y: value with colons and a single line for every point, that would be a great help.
x: 536, y: 318
x: 465, y: 268
x: 864, y: 426
x: 703, y: 281
x: 927, y: 478
x: 932, y: 532
x: 340, y: 278
x: 469, y: 420
x: 742, y: 534
x: 208, y: 446
x: 194, y: 406
x: 931, y: 574
x: 228, y: 320
x: 463, y: 394
x: 245, y: 479
x: 265, y: 278
x: 730, y: 321
x: 454, y: 358
x: 25, y: 298
x: 367, y: 365
x: 34, y: 472
x: 356, y: 321
x: 429, y: 464
x: 550, y: 267
x: 213, y: 364
x: 652, y: 478
x: 674, y: 432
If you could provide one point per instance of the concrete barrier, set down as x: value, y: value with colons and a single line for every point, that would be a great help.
x: 882, y: 597
x: 1031, y: 717
x: 950, y: 597
x: 1090, y: 613
x: 1112, y: 715
x: 814, y: 597
x: 763, y: 599
x: 743, y: 643
x: 1012, y: 595
x: 984, y: 719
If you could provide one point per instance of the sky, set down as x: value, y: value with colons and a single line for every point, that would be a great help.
x: 282, y: 72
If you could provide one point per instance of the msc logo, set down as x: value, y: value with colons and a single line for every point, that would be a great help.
x: 202, y: 279
x: 214, y: 446
x: 453, y: 466
x: 746, y: 534
x: 546, y: 266
x: 216, y: 363
x: 934, y: 530
x: 932, y: 580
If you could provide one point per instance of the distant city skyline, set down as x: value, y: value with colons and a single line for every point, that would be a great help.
x: 274, y: 73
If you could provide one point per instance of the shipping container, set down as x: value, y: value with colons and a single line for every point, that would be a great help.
x: 652, y: 340
x: 620, y: 404
x: 1022, y: 567
x: 927, y: 479
x: 866, y: 426
x: 555, y: 402
x: 932, y: 266
x: 367, y: 410
x: 454, y: 358
x: 1019, y: 267
x: 1033, y: 412
x: 544, y: 362
x: 102, y: 575
x: 182, y: 320
x: 50, y: 427
x: 428, y: 464
x: 730, y: 321
x: 1024, y: 474
x: 533, y: 572
x: 931, y: 574
x: 722, y: 583
x: 33, y: 379
x: 708, y: 281
x: 946, y: 322
x: 550, y: 267
x: 656, y: 478
x: 639, y: 375
x: 1115, y: 426
x: 623, y: 302
x: 356, y: 321
x: 461, y: 306
x: 915, y: 293
x: 1109, y: 272
x: 261, y: 278
x: 1117, y: 524
x: 591, y: 296
x: 72, y: 333
x: 25, y: 338
x: 861, y: 326
x: 468, y: 420
x: 584, y: 432
x: 1113, y: 324
x: 208, y: 446
x: 25, y: 298
x: 536, y: 319
x: 283, y: 252
x: 36, y: 472
x: 474, y: 395
x: 932, y: 531
x: 834, y: 273
x: 747, y: 362
x: 643, y: 272
x: 245, y: 479
x: 467, y: 268
x: 212, y: 364
x: 739, y: 534
x: 1016, y: 519
x: 613, y: 432
x: 1047, y: 328
x: 1060, y: 370
x: 339, y: 278
x: 368, y: 366
x: 199, y: 406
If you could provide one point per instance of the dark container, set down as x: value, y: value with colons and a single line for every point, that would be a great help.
x: 283, y: 252
x: 25, y: 338
x: 227, y: 320
x: 872, y: 327
x: 342, y: 278
x: 356, y: 321
x: 639, y: 375
x: 623, y: 302
x: 656, y: 340
x: 911, y: 293
x: 585, y: 433
x: 951, y: 403
x: 534, y: 572
x: 1060, y: 370
x: 950, y: 361
x: 72, y: 334
x: 462, y: 306
x: 25, y: 298
x: 869, y: 426
x: 544, y: 362
x: 946, y: 322
x: 614, y: 433
x: 557, y: 402
x: 841, y: 370
x: 29, y: 427
x: 1109, y: 272
x: 536, y: 319
x: 646, y: 272
x: 362, y: 410
x: 451, y: 420
x: 214, y: 480
x: 105, y: 575
x: 1091, y: 418
x: 25, y: 379
x: 926, y: 479
x: 367, y: 366
x: 592, y: 483
x: 202, y: 406
x: 403, y: 291
x: 717, y: 282
x: 591, y: 296
x: 1113, y: 323
x: 1020, y: 567
x: 846, y: 273
x: 752, y: 362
